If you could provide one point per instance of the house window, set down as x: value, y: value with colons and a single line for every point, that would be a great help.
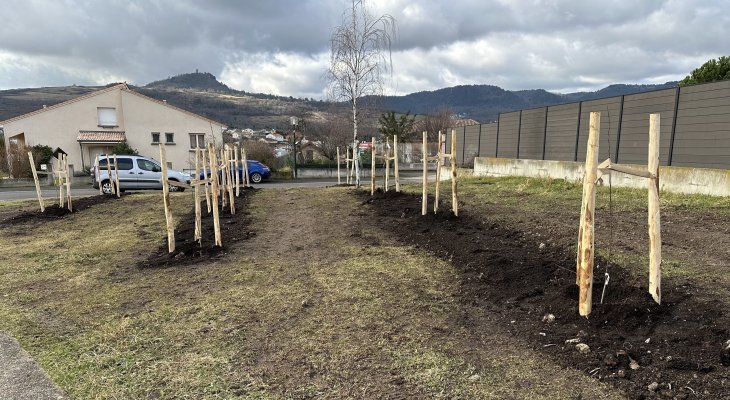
x: 107, y: 116
x: 197, y: 140
x: 155, y: 137
x: 169, y: 137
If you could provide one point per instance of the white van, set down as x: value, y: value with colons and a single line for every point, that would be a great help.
x: 135, y: 173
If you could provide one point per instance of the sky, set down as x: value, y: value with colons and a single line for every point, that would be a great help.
x: 282, y: 46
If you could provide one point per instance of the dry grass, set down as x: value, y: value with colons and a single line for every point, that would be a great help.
x: 307, y: 308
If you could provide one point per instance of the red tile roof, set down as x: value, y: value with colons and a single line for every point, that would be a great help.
x: 101, y: 136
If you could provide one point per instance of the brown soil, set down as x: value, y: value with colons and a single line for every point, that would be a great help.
x: 32, y: 216
x: 189, y: 252
x: 521, y: 267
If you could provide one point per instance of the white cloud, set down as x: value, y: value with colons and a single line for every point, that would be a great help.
x: 281, y: 46
x: 277, y: 73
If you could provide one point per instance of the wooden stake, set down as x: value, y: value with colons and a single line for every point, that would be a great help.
x: 196, y: 187
x: 585, y: 268
x: 454, y: 195
x: 68, y: 183
x: 214, y: 193
x: 98, y: 174
x: 59, y: 174
x: 223, y: 180
x: 387, y: 163
x: 339, y: 182
x: 439, y: 163
x: 206, y: 172
x: 37, y: 184
x: 395, y: 163
x: 109, y: 174
x: 372, y: 168
x: 169, y: 224
x: 230, y: 172
x: 655, y: 232
x: 235, y: 171
x: 246, y: 178
x: 424, y: 198
x: 116, y: 175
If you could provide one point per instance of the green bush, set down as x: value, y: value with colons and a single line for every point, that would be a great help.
x: 124, y: 148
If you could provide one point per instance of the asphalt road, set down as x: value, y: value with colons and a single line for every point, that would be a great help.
x: 28, y: 193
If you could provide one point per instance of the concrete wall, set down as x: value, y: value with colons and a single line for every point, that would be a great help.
x: 714, y: 182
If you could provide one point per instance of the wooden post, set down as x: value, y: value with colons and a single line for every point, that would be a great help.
x: 424, y: 198
x: 454, y: 195
x: 37, y: 184
x: 339, y: 182
x: 372, y: 167
x: 245, y: 168
x: 169, y: 224
x: 222, y: 183
x: 98, y: 174
x: 214, y: 193
x: 235, y: 170
x: 655, y: 232
x: 230, y: 172
x: 68, y: 183
x: 206, y: 178
x: 116, y: 175
x: 109, y: 173
x: 395, y: 163
x: 196, y: 188
x: 351, y: 167
x: 61, y: 196
x: 387, y: 164
x: 585, y: 268
x: 439, y: 162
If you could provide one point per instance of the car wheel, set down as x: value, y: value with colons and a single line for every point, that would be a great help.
x: 107, y: 187
x: 256, y: 177
x: 175, y: 188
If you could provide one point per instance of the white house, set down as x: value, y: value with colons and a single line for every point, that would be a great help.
x: 94, y: 123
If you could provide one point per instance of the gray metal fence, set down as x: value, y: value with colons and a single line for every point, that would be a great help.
x: 695, y: 129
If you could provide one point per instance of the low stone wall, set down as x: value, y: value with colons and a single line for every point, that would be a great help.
x: 715, y: 182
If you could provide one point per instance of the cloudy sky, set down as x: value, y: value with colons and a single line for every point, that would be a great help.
x: 282, y: 46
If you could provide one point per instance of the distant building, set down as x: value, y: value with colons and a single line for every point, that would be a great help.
x: 94, y: 123
x: 275, y: 136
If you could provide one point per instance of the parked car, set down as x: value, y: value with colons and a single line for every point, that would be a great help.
x: 257, y: 172
x: 135, y: 173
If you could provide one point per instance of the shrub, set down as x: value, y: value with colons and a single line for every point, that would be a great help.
x: 260, y: 151
x: 124, y: 148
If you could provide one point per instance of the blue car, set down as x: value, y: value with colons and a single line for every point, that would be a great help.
x: 257, y: 172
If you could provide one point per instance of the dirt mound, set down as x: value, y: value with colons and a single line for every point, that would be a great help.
x: 54, y: 211
x: 633, y: 342
x: 189, y: 252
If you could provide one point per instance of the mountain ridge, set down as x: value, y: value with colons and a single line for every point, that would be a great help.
x: 203, y: 94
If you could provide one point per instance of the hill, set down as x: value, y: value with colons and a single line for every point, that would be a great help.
x: 202, y: 93
x: 485, y: 102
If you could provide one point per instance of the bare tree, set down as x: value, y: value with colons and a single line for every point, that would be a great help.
x: 440, y: 120
x: 331, y: 133
x: 360, y: 54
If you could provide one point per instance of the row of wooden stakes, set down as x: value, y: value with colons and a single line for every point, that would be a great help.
x: 224, y: 172
x: 61, y: 178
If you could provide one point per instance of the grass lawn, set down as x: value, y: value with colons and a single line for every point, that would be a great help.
x: 320, y: 302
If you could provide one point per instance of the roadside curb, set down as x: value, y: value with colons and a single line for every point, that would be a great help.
x: 21, y: 378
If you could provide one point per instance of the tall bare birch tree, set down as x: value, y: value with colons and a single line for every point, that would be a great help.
x: 360, y: 55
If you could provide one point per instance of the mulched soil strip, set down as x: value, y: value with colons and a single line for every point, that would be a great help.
x: 677, y: 344
x: 234, y: 228
x: 54, y: 211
